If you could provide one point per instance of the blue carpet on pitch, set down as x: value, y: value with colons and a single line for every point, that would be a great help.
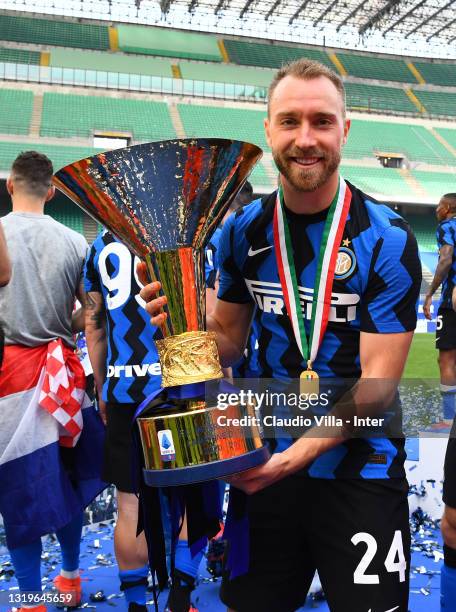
x: 99, y: 573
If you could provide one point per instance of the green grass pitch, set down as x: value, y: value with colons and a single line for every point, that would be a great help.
x: 422, y: 359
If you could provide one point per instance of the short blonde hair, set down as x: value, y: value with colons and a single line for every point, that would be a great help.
x: 307, y: 69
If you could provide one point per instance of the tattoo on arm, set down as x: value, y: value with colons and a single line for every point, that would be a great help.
x: 95, y: 306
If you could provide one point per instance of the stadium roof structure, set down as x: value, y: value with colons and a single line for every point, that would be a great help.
x: 410, y: 27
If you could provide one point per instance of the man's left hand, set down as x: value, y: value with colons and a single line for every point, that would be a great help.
x: 256, y: 479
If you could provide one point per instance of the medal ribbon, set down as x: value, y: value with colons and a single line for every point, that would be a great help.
x: 330, y: 243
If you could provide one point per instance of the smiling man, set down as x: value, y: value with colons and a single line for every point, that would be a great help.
x: 332, y: 279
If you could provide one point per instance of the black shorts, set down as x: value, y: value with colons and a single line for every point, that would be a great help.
x: 354, y: 532
x: 118, y: 448
x: 449, y: 473
x: 445, y: 332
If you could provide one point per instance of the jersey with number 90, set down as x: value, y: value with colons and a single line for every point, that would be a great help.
x: 132, y: 367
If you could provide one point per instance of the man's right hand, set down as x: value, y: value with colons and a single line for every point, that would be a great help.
x: 149, y: 293
x: 427, y: 307
x: 154, y: 304
x: 102, y: 410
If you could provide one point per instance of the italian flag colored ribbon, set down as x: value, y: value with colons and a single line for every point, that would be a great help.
x: 321, y: 302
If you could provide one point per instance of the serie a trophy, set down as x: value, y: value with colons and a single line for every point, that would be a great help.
x: 163, y: 200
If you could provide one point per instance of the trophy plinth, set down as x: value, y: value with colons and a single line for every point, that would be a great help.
x: 164, y: 200
x: 195, y: 446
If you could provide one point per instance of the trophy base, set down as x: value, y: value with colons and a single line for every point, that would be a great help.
x: 206, y: 471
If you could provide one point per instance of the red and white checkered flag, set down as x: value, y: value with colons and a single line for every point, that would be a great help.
x: 63, y: 391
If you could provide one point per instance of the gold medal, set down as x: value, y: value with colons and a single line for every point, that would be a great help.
x: 309, y: 381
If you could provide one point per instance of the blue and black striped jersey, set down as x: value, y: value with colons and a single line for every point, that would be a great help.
x: 132, y: 367
x: 446, y: 234
x: 376, y: 288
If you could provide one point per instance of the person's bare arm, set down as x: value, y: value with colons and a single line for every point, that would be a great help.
x: 441, y: 272
x: 95, y: 330
x: 78, y: 315
x: 382, y: 358
x: 5, y: 263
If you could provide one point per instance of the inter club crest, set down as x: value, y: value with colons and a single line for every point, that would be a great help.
x: 346, y: 261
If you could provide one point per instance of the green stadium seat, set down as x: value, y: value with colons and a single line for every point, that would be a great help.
x: 19, y: 56
x: 59, y: 155
x: 414, y: 141
x: 260, y: 178
x: 436, y: 184
x: 168, y: 43
x: 217, y: 122
x: 53, y: 32
x: 448, y: 134
x: 69, y: 214
x: 424, y: 230
x: 110, y: 62
x: 226, y: 73
x: 437, y: 102
x: 437, y: 74
x: 372, y: 67
x: 73, y: 115
x: 377, y: 98
x: 379, y: 182
x: 16, y: 111
x: 270, y: 56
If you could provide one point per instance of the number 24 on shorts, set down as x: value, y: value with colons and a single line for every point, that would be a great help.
x: 394, y: 562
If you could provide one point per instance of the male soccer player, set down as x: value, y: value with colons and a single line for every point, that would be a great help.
x: 446, y: 344
x: 445, y: 275
x: 122, y: 351
x: 50, y: 435
x: 333, y: 503
x: 124, y: 360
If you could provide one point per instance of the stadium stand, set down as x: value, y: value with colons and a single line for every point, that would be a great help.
x: 226, y: 73
x: 52, y: 32
x: 68, y: 214
x: 437, y: 102
x: 372, y: 67
x: 110, y: 62
x: 414, y: 141
x: 16, y: 111
x: 436, y: 183
x: 361, y: 96
x: 59, y: 155
x: 437, y: 74
x: 449, y: 135
x: 424, y: 229
x: 168, y: 43
x: 261, y: 179
x: 19, y: 56
x: 379, y: 181
x: 72, y: 115
x: 239, y: 123
x: 270, y: 56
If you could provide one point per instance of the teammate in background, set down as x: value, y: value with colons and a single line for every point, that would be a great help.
x: 45, y: 478
x: 446, y: 345
x: 5, y: 275
x: 334, y: 503
x: 124, y: 358
x: 445, y: 275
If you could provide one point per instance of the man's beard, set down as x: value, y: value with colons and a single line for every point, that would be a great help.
x: 307, y: 179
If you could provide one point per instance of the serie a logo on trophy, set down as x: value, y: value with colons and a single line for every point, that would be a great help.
x: 164, y: 200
